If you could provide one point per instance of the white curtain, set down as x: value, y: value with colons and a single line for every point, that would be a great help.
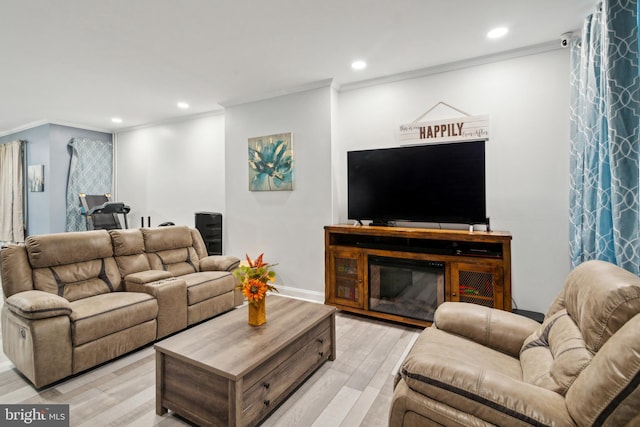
x: 11, y: 193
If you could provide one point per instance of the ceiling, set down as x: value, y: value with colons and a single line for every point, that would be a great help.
x: 83, y: 62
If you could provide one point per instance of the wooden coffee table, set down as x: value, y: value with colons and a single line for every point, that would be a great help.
x: 225, y: 372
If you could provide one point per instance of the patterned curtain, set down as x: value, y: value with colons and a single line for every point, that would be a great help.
x: 605, y: 146
x: 90, y: 172
x: 12, y: 225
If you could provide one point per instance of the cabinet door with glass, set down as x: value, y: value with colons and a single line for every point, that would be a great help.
x: 346, y: 278
x: 477, y: 283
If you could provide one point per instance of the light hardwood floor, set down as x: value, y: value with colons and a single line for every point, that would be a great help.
x: 353, y: 390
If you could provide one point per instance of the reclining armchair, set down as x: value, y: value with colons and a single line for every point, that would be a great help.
x: 477, y: 366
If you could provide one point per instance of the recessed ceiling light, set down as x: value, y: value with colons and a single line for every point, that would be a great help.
x: 358, y: 65
x: 116, y: 120
x: 183, y: 105
x: 497, y: 32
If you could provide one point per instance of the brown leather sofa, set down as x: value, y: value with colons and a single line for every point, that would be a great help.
x: 478, y: 366
x: 75, y: 300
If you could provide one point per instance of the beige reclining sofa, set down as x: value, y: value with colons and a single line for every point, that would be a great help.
x: 482, y: 367
x: 75, y: 300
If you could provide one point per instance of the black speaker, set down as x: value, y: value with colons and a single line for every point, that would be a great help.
x: 209, y: 224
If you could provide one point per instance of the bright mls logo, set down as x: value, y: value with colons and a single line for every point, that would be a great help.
x: 34, y: 415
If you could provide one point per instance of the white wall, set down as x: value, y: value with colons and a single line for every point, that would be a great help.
x: 170, y: 171
x: 286, y: 225
x: 527, y: 155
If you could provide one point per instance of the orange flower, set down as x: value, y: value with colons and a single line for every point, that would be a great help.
x: 254, y: 290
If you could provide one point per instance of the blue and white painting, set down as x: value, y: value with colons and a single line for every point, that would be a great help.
x: 271, y: 163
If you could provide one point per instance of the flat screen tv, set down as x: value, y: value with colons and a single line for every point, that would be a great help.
x: 441, y: 183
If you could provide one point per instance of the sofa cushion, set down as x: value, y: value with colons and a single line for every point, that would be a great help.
x: 600, y: 299
x: 554, y: 355
x: 161, y: 238
x: 176, y: 261
x: 207, y: 284
x: 101, y: 315
x: 79, y: 280
x: 128, y: 248
x: 50, y: 250
x: 130, y: 264
x: 127, y: 242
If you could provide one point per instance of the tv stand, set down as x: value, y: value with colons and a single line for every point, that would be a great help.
x: 381, y: 223
x: 477, y: 265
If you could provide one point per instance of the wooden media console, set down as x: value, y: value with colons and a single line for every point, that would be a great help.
x: 376, y: 271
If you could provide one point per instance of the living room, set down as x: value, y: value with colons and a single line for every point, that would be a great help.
x: 169, y: 169
x: 527, y: 187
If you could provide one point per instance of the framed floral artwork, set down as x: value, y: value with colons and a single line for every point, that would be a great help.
x: 271, y: 163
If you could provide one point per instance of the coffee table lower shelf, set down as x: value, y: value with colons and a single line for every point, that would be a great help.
x: 221, y: 385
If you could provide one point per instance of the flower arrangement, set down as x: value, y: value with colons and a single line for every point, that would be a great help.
x: 254, y: 277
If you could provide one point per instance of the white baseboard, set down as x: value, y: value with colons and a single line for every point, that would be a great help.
x: 302, y: 294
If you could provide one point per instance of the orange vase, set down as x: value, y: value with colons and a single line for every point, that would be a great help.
x: 258, y: 312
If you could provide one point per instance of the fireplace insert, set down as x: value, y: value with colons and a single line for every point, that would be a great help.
x: 404, y: 287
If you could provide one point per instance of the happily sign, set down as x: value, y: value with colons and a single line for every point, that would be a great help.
x: 469, y: 128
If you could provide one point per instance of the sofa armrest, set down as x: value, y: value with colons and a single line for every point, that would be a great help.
x: 171, y: 294
x: 498, y: 329
x: 35, y: 305
x: 143, y: 277
x: 219, y: 263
